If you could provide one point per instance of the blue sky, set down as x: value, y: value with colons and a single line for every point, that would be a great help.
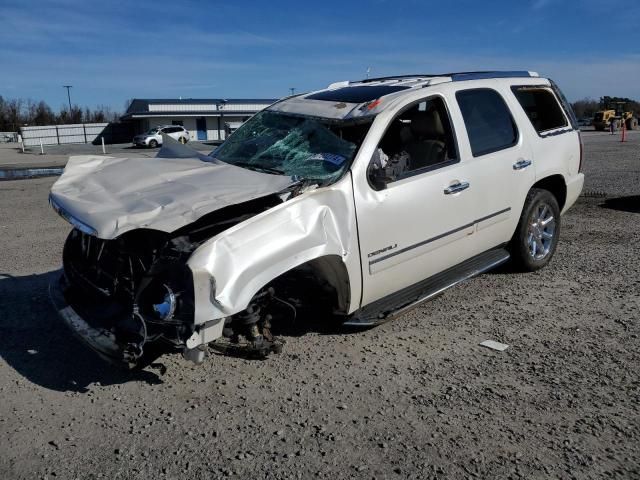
x: 111, y: 51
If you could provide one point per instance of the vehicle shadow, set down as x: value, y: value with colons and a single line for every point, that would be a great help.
x: 624, y: 204
x: 37, y: 345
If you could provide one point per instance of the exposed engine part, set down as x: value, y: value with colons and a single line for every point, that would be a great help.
x: 248, y: 333
x: 137, y: 288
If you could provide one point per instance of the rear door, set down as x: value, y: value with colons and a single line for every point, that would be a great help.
x: 498, y: 156
x: 551, y: 126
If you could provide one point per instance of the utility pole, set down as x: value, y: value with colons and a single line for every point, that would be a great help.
x: 292, y: 90
x: 68, y: 87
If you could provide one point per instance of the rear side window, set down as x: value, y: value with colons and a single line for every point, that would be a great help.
x: 542, y: 108
x: 488, y: 120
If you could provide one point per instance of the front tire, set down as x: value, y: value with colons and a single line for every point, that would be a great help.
x: 153, y: 144
x: 536, y: 236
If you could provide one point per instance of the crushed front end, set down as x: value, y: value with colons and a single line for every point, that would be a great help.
x: 131, y: 298
x: 123, y: 295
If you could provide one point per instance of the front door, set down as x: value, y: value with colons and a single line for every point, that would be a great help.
x: 416, y: 211
x: 201, y: 127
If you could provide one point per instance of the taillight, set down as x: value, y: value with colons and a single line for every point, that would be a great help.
x: 581, y: 152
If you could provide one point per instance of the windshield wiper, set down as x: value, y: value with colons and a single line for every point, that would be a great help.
x: 260, y: 168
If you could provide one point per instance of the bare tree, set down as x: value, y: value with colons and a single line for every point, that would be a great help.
x: 43, y: 114
x: 585, y: 108
x: 16, y: 112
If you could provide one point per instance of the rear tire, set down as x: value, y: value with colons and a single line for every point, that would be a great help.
x: 536, y: 236
x: 183, y: 140
x: 153, y: 144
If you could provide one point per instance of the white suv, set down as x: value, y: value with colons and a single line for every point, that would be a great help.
x: 153, y: 137
x: 355, y: 202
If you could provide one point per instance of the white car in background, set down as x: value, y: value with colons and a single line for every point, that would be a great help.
x: 153, y: 137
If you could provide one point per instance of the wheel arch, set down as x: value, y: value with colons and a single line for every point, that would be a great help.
x: 332, y: 270
x: 556, y: 185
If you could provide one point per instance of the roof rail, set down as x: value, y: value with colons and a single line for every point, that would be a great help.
x: 461, y: 76
x: 396, y: 77
x: 457, y: 76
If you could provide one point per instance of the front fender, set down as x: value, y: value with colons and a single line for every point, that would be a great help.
x: 251, y: 254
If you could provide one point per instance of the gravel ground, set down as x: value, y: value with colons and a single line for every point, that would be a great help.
x: 414, y: 398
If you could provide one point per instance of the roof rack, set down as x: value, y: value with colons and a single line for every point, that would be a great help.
x: 396, y: 77
x: 458, y: 76
x: 461, y: 76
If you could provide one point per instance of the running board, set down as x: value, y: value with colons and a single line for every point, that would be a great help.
x: 398, y: 303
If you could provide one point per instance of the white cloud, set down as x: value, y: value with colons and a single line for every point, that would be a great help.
x: 539, y: 4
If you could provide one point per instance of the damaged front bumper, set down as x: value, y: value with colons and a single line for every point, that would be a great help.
x: 103, y: 341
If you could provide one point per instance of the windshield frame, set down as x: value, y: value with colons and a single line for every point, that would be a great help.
x: 345, y: 167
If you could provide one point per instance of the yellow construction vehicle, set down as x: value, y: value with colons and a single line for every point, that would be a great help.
x: 615, y: 113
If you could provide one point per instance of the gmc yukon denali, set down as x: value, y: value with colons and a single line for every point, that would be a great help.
x: 355, y: 202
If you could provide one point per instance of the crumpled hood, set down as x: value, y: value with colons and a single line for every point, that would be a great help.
x: 113, y: 195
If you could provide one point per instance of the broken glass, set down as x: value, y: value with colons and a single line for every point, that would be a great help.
x: 297, y: 146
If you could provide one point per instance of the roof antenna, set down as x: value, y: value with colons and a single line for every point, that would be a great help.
x: 368, y: 72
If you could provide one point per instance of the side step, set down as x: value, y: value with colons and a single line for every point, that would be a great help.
x: 397, y: 303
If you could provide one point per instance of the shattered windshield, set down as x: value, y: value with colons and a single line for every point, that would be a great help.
x: 305, y: 147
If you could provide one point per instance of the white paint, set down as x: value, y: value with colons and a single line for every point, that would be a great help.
x: 159, y: 193
x: 168, y: 193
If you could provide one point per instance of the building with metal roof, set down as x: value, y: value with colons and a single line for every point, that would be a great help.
x: 205, y: 118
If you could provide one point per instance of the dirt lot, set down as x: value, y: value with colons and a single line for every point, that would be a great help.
x: 415, y: 398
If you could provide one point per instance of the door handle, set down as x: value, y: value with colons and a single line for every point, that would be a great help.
x: 456, y: 187
x: 520, y: 164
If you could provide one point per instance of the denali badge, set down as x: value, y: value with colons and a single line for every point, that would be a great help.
x: 382, y: 250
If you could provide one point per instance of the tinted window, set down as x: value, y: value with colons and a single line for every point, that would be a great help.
x: 541, y: 107
x: 419, y: 139
x: 172, y: 130
x: 489, y: 123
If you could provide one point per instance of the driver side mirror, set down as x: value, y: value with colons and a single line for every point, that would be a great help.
x: 377, y: 178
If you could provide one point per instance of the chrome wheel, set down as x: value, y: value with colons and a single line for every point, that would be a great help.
x: 542, y: 228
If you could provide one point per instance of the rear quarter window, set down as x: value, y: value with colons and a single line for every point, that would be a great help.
x: 542, y: 108
x: 488, y: 120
